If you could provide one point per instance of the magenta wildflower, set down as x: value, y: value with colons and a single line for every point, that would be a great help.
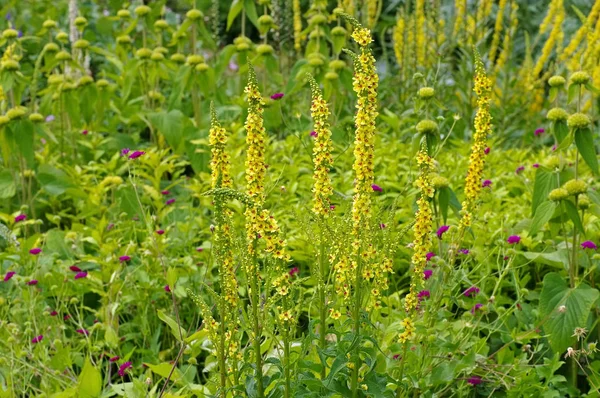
x: 313, y: 133
x: 376, y: 188
x: 519, y: 169
x: 165, y: 192
x: 199, y: 249
x: 54, y: 313
x: 486, y: 183
x: 83, y: 331
x: 427, y: 274
x: 487, y: 150
x: 20, y: 217
x: 124, y: 258
x: 9, y: 275
x: 505, y: 258
x: 136, y: 154
x: 441, y: 231
x: 474, y: 380
x: 66, y: 317
x: 80, y: 275
x: 539, y: 132
x: 588, y: 244
x: 476, y: 307
x: 513, y: 239
x: 123, y: 368
x: 160, y: 231
x: 124, y: 151
x: 84, y: 132
x: 472, y: 291
x: 396, y: 356
x: 430, y: 255
x: 332, y: 207
x: 37, y: 339
x: 75, y: 268
x: 423, y: 294
x: 35, y: 251
x: 32, y: 282
x: 114, y: 359
x: 277, y: 96
x: 536, y: 165
x: 170, y: 202
x: 464, y: 251
x: 167, y: 289
x: 382, y: 226
x: 553, y: 147
x: 294, y: 271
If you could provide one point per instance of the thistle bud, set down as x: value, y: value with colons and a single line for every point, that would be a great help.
x: 556, y: 81
x: 142, y: 11
x: 427, y: 127
x: 579, y: 121
x: 194, y: 14
x: 580, y: 77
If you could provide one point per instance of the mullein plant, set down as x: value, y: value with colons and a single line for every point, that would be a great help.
x: 355, y: 272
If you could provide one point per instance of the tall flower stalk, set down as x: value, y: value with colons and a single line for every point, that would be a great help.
x: 322, y: 191
x: 350, y: 273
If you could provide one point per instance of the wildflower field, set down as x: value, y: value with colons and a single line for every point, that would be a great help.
x: 299, y: 198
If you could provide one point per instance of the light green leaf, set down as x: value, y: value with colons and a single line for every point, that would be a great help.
x: 561, y: 322
x: 543, y: 214
x: 8, y: 188
x: 164, y: 369
x: 545, y: 181
x: 234, y: 10
x: 90, y: 381
x: 172, y: 324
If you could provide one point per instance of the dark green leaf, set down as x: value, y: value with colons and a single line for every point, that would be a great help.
x: 545, y: 181
x: 585, y: 143
x: 543, y: 214
x: 573, y: 214
x: 561, y: 130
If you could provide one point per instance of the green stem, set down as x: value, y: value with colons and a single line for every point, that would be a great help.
x: 322, y: 303
x: 357, y: 302
x: 286, y: 359
x: 257, y: 332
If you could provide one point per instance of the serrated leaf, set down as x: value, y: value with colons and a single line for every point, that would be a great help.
x: 543, y: 214
x: 560, y: 323
x: 585, y: 143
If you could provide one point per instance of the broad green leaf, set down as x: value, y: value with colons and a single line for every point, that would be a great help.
x: 234, y: 10
x: 573, y: 214
x: 558, y: 259
x: 128, y: 202
x: 573, y: 92
x: 561, y: 322
x: 250, y: 8
x: 172, y: 324
x: 171, y: 125
x: 543, y: 214
x: 561, y: 130
x: 585, y: 143
x: 54, y: 181
x: 545, y: 181
x: 55, y: 243
x: 8, y: 187
x: 90, y: 381
x: 164, y: 369
x: 22, y: 131
x: 444, y: 200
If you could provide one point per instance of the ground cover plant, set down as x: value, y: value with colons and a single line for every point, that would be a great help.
x: 299, y: 198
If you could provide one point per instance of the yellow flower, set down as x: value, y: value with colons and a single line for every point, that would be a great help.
x: 460, y: 8
x: 219, y: 163
x: 559, y: 16
x: 421, y: 45
x: 398, y: 37
x: 497, y: 30
x: 297, y: 25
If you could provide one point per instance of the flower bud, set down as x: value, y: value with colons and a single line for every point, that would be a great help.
x: 10, y: 65
x: 4, y: 120
x: 426, y: 92
x: 558, y: 194
x: 16, y: 113
x: 161, y: 24
x: 578, y: 121
x: 178, y: 57
x: 63, y: 56
x: 81, y: 44
x: 202, y: 67
x: 427, y: 127
x: 124, y: 14
x: 194, y: 14
x: 195, y: 59
x: 143, y: 53
x: 51, y: 47
x: 49, y: 24
x: 264, y: 49
x: 318, y: 19
x: 142, y: 11
x: 10, y: 34
x: 580, y: 77
x: 575, y: 187
x: 62, y: 37
x: 556, y: 114
x: 339, y: 31
x: 80, y: 22
x: 124, y: 39
x: 556, y: 81
x: 583, y: 202
x: 102, y: 83
x: 331, y: 75
x: 157, y: 56
x: 36, y: 118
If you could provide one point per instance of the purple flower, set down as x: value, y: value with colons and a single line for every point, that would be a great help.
x: 513, y: 239
x: 170, y: 202
x: 536, y: 165
x: 441, y: 231
x: 427, y: 274
x: 313, y: 133
x: 382, y: 226
x: 160, y: 231
x: 50, y: 118
x: 106, y: 13
x: 54, y: 313
x: 588, y: 244
x: 124, y: 151
x: 114, y: 359
x: 199, y: 249
x: 376, y: 188
x: 124, y: 258
x: 32, y: 282
x: 553, y: 147
x: 277, y: 96
x: 123, y: 368
x: 19, y: 33
x: 233, y: 66
x: 9, y: 275
x: 83, y: 331
x: 20, y: 217
x: 423, y: 294
x: 80, y: 275
x: 539, y: 132
x: 464, y: 251
x: 167, y: 289
x: 37, y: 339
x: 430, y: 255
x: 85, y: 132
x: 332, y: 207
x: 519, y: 169
x: 136, y: 154
x: 472, y: 291
x: 35, y: 251
x: 486, y: 183
x: 75, y: 268
x: 474, y: 380
x: 165, y: 192
x: 476, y: 307
x: 487, y: 150
x: 294, y: 271
x: 505, y: 258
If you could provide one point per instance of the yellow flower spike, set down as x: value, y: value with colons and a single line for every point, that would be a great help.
x: 322, y: 158
x: 220, y: 161
x: 297, y: 25
x: 553, y: 37
x: 398, y: 37
x: 483, y: 126
x: 460, y: 8
x: 497, y: 30
x: 420, y: 43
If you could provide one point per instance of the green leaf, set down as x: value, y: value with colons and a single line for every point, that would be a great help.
x: 573, y: 91
x: 90, y: 381
x: 592, y: 89
x: 573, y: 214
x: 585, y: 143
x: 164, y: 369
x: 545, y: 181
x: 561, y: 130
x: 8, y: 187
x: 170, y: 124
x: 552, y: 94
x: 54, y: 181
x: 23, y: 136
x: 128, y: 202
x: 443, y: 373
x: 172, y: 324
x: 443, y: 201
x: 561, y: 322
x: 543, y: 214
x: 234, y: 10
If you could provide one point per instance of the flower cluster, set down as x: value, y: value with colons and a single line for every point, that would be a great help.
x: 483, y: 125
x: 297, y: 25
x: 422, y: 242
x: 256, y: 138
x: 322, y: 149
x: 220, y: 162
